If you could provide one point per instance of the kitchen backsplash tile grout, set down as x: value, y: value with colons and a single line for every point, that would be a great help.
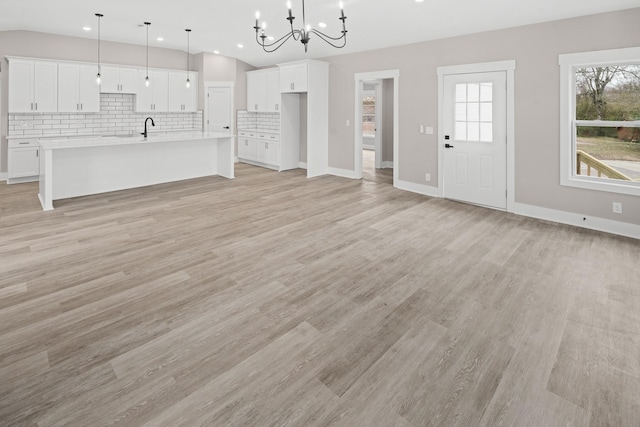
x: 249, y: 120
x: 116, y: 116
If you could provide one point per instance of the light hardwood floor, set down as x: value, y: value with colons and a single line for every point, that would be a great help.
x: 274, y: 300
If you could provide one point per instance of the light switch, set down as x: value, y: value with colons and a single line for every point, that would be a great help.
x: 348, y: 123
x: 421, y: 128
x: 428, y: 130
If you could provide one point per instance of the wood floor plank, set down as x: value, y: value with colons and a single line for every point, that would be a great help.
x: 273, y: 299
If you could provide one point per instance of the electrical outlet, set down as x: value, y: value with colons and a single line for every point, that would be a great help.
x: 427, y: 177
x: 428, y: 130
x: 421, y: 128
x: 348, y: 123
x: 617, y: 207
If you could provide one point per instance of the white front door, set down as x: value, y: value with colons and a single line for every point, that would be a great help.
x: 475, y: 145
x: 219, y: 109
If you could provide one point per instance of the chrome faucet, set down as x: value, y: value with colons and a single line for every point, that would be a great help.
x: 145, y: 126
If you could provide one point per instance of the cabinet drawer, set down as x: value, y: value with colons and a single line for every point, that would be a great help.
x: 272, y: 137
x: 23, y: 143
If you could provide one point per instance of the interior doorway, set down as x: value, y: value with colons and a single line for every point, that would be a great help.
x: 218, y: 116
x: 376, y: 123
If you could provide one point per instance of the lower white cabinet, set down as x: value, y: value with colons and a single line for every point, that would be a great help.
x: 259, y: 148
x: 23, y: 160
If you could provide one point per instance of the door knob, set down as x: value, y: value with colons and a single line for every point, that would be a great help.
x: 448, y: 146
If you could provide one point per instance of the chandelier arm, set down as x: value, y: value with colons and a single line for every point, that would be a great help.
x: 278, y: 43
x: 329, y: 40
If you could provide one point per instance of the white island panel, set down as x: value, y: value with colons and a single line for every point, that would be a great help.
x: 93, y: 166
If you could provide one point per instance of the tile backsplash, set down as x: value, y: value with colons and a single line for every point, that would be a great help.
x: 249, y: 120
x: 116, y: 116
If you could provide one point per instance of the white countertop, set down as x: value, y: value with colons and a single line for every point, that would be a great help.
x: 98, y: 141
x: 98, y: 135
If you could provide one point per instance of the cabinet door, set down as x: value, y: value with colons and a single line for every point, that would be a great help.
x: 177, y: 91
x: 45, y: 89
x: 273, y: 91
x: 110, y: 79
x: 256, y: 91
x: 20, y: 86
x: 247, y: 149
x: 89, y: 90
x: 271, y: 153
x: 160, y: 90
x: 23, y: 162
x: 127, y: 79
x: 286, y: 79
x: 68, y: 87
x: 300, y: 78
x: 144, y: 97
x: 191, y: 94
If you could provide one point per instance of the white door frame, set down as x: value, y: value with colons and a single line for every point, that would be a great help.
x: 205, y: 119
x: 360, y: 78
x: 509, y: 67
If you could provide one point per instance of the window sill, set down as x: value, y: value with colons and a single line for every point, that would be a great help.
x: 620, y: 187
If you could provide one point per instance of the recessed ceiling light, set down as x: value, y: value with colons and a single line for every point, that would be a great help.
x: 240, y: 45
x: 160, y: 39
x: 419, y: 1
x: 217, y: 52
x: 322, y: 25
x: 86, y: 28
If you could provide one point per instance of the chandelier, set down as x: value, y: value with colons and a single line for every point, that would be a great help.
x: 303, y: 35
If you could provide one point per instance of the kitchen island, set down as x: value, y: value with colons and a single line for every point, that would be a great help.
x: 84, y: 166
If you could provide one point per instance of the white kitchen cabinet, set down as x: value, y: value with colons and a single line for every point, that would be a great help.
x: 118, y: 79
x: 247, y: 146
x: 294, y: 77
x: 155, y: 97
x: 23, y: 160
x: 313, y: 120
x: 77, y: 88
x: 181, y: 97
x: 267, y: 152
x: 263, y: 90
x: 33, y: 86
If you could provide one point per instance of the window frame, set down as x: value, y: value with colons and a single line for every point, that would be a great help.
x: 569, y: 63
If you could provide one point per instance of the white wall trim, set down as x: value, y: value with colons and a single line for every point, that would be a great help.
x: 357, y: 122
x: 425, y: 190
x: 344, y: 173
x: 570, y: 218
x: 509, y: 67
x: 3, y: 176
x: 387, y: 165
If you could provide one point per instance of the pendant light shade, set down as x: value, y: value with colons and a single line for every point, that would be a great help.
x: 188, y: 46
x: 98, y: 76
x: 147, y: 82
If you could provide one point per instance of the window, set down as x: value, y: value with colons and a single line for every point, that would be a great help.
x: 600, y: 120
x: 369, y: 114
x: 474, y: 112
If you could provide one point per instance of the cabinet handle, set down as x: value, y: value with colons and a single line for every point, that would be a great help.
x: 81, y: 107
x: 36, y: 106
x: 32, y: 106
x: 37, y: 153
x: 22, y: 143
x: 277, y: 107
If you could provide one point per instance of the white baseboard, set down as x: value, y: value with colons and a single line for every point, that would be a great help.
x: 387, y: 165
x: 302, y: 165
x: 345, y: 173
x: 3, y: 176
x: 426, y: 190
x: 590, y: 222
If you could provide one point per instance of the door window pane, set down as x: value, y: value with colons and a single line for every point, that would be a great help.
x: 474, y: 112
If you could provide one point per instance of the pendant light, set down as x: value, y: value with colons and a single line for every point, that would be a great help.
x: 188, y: 81
x: 98, y: 76
x: 146, y: 79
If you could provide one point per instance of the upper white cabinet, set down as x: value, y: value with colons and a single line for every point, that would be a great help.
x: 263, y: 90
x: 181, y: 97
x: 294, y: 77
x: 118, y: 79
x: 33, y: 86
x: 155, y: 97
x: 77, y: 88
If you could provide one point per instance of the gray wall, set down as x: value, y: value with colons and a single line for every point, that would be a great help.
x: 50, y: 46
x: 537, y: 151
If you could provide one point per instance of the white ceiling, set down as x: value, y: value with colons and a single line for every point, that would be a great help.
x: 220, y: 25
